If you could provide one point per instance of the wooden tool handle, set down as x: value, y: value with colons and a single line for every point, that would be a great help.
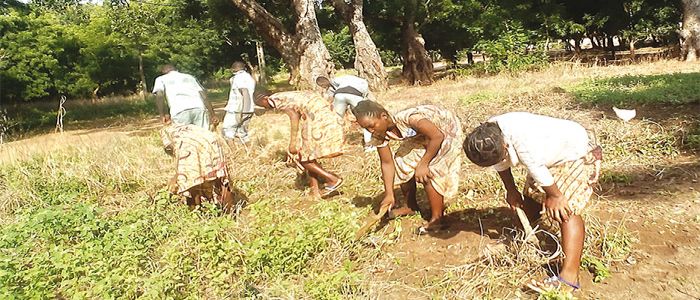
x: 526, y: 224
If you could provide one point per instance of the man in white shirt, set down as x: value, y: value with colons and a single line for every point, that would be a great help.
x: 240, y: 107
x: 562, y: 166
x: 186, y: 99
x: 347, y: 91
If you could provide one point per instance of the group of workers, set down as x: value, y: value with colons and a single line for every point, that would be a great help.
x: 562, y: 162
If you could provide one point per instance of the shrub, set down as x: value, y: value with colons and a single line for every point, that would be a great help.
x: 512, y: 51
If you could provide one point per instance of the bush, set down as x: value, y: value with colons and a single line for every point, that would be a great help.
x: 512, y: 51
x: 341, y: 47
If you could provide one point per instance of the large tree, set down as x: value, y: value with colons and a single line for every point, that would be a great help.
x: 302, y: 50
x: 690, y: 33
x: 368, y: 63
x: 402, y: 18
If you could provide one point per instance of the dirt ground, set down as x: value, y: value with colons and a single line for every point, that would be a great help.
x: 662, y: 210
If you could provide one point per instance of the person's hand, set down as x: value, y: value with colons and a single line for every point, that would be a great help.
x: 557, y: 208
x: 388, y: 201
x: 514, y: 199
x: 423, y: 173
x: 166, y: 119
x: 293, y: 149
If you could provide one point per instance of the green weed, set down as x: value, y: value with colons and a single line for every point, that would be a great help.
x: 676, y: 88
x: 597, y: 267
x: 616, y: 177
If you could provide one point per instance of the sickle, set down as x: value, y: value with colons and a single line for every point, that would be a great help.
x: 372, y: 220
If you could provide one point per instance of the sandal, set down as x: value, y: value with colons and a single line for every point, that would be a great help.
x: 328, y: 190
x: 553, y: 283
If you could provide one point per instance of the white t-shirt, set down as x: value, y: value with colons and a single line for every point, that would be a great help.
x: 540, y: 142
x: 240, y: 80
x: 181, y: 91
x: 355, y: 82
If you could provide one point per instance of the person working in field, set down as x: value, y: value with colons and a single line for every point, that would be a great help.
x: 186, y: 98
x: 562, y: 166
x: 321, y: 135
x: 240, y: 106
x: 346, y: 92
x: 201, y: 169
x: 429, y: 154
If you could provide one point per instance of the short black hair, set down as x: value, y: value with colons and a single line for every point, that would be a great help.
x: 368, y: 108
x: 238, y: 65
x: 485, y: 146
x: 322, y: 80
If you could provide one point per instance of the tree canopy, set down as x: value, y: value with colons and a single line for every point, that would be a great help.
x: 82, y: 49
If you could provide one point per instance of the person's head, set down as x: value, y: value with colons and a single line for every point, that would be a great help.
x: 485, y: 146
x: 167, y: 68
x: 237, y: 66
x: 372, y: 116
x: 323, y: 82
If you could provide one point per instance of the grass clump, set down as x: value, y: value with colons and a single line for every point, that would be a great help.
x: 675, y: 88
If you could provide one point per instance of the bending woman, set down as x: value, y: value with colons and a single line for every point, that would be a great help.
x: 429, y: 153
x: 321, y: 135
x: 201, y: 169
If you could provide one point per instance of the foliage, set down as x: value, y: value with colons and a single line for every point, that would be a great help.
x: 79, y: 50
x: 597, y: 267
x: 512, y: 51
x: 677, y: 88
x: 341, y: 47
x: 92, y: 232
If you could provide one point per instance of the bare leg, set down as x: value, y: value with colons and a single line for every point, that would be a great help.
x: 313, y: 183
x: 408, y: 189
x: 315, y: 170
x: 226, y: 197
x: 532, y: 209
x: 572, y: 234
x: 437, y: 204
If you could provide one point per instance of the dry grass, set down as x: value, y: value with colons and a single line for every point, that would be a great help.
x: 119, y: 172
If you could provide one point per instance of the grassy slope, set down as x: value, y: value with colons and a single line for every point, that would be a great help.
x: 107, y: 229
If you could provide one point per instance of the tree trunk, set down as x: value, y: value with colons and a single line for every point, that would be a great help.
x: 690, y: 33
x: 594, y: 42
x: 314, y: 59
x: 304, y: 51
x: 611, y: 47
x: 262, y: 78
x: 417, y: 64
x: 632, y: 41
x: 368, y: 63
x: 144, y: 87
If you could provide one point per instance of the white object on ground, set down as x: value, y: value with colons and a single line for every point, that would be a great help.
x: 625, y: 114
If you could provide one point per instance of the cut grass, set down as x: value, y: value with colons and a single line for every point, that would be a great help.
x: 629, y: 90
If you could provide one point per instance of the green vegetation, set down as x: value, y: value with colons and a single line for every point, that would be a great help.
x: 677, y: 88
x: 93, y: 231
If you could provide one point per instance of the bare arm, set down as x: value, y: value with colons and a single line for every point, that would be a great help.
x: 388, y: 173
x: 246, y: 103
x: 435, y: 138
x: 209, y: 107
x: 160, y: 104
x: 513, y: 196
x: 294, y: 117
x: 508, y: 181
